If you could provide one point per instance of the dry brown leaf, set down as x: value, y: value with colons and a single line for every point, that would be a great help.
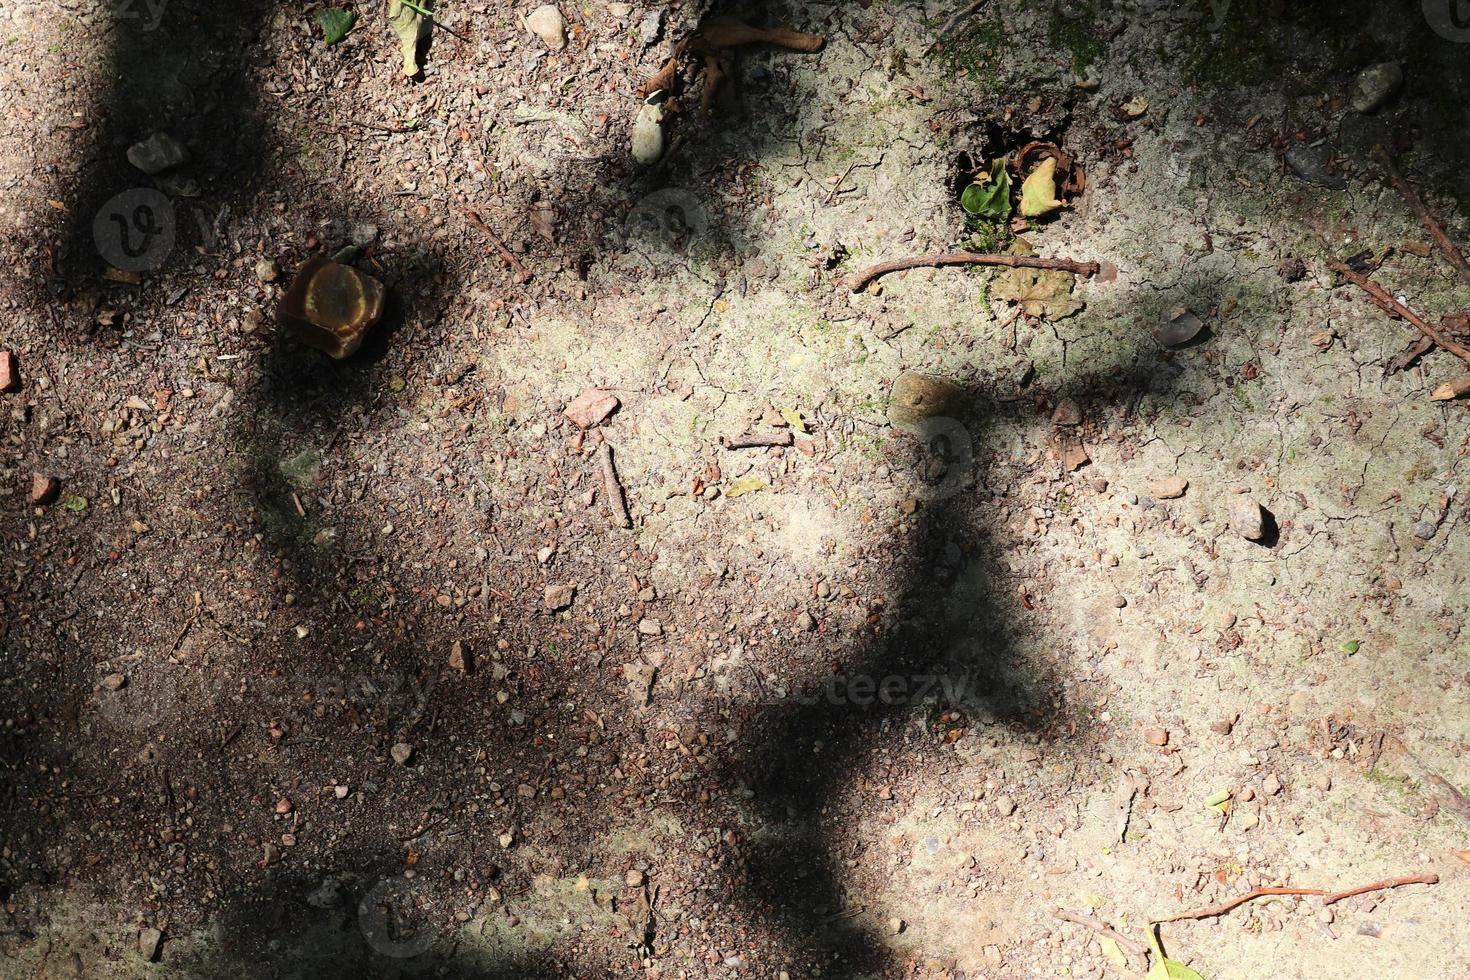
x: 1040, y: 292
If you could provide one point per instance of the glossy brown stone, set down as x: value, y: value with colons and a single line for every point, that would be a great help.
x: 917, y: 397
x: 331, y: 306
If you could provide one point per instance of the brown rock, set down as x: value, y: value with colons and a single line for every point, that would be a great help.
x: 459, y: 658
x: 1154, y: 735
x: 1066, y: 413
x: 1248, y: 518
x: 44, y: 488
x: 558, y: 597
x: 1223, y: 726
x: 1169, y: 488
x: 591, y: 407
x: 9, y: 371
x: 1070, y: 452
x: 918, y: 397
x: 150, y: 942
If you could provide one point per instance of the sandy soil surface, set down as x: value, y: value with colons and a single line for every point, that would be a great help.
x: 348, y: 668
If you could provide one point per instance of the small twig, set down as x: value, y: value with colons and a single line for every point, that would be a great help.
x: 837, y: 186
x: 954, y: 20
x: 1447, y: 248
x: 898, y: 330
x: 391, y: 130
x: 523, y: 275
x: 783, y: 438
x: 617, y: 504
x: 185, y: 631
x: 1102, y: 929
x: 1328, y: 898
x: 1224, y: 907
x: 1427, y: 879
x: 1393, y: 307
x: 861, y: 280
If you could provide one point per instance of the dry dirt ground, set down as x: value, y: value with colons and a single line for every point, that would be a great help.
x: 250, y: 586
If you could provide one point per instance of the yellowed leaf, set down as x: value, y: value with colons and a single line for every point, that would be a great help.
x: 744, y: 485
x: 1039, y: 190
x: 410, y: 26
x: 1040, y: 292
x: 1113, y: 952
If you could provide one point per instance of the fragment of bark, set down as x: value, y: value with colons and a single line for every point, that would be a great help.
x: 760, y: 441
x: 1454, y: 388
x: 617, y: 503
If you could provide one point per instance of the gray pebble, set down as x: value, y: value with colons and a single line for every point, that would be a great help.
x: 1310, y: 164
x: 1376, y: 85
x: 157, y: 153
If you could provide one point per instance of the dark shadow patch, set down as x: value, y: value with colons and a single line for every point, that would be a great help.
x: 947, y: 622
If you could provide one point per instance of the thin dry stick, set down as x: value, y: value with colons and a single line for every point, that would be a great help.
x: 617, y: 504
x: 935, y: 260
x: 1102, y: 929
x: 1224, y: 907
x: 523, y: 275
x: 1328, y: 898
x: 1447, y: 248
x: 954, y: 20
x: 840, y: 180
x: 1393, y: 307
x: 757, y: 441
x: 1428, y: 879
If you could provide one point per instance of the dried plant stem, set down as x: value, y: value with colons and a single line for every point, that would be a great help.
x: 861, y: 280
x: 1393, y: 307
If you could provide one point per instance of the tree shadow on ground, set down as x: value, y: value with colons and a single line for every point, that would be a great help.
x: 797, y: 881
x: 950, y: 638
x: 362, y: 919
x: 183, y: 73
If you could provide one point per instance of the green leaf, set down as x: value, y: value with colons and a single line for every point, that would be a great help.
x: 1165, y: 968
x: 793, y: 419
x: 335, y: 23
x: 1039, y: 190
x: 990, y: 198
x: 74, y: 503
x: 1350, y: 647
x: 744, y: 485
